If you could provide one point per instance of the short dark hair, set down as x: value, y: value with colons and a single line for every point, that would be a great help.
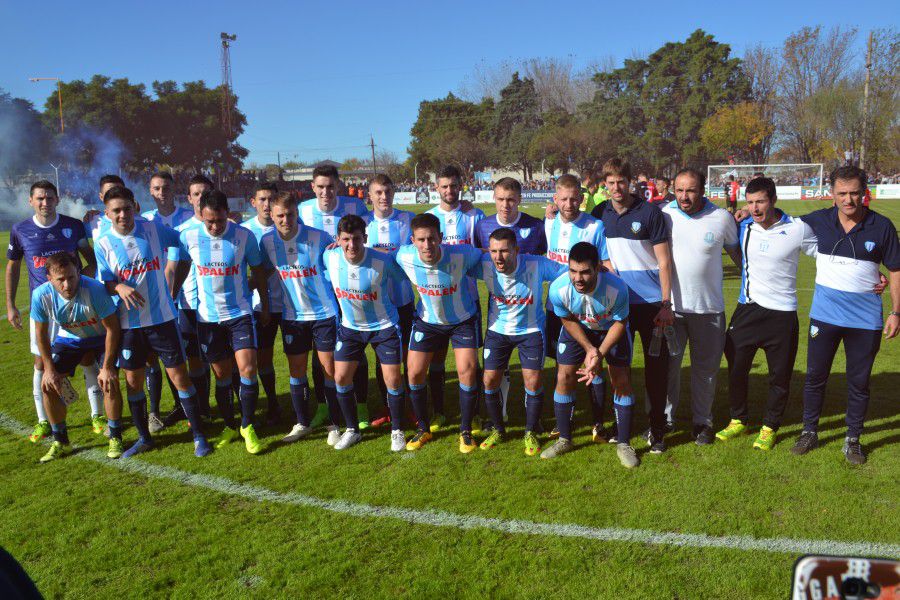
x: 450, y: 172
x: 60, y: 260
x: 695, y: 173
x: 849, y: 172
x: 43, y: 184
x: 326, y: 171
x: 758, y: 174
x: 665, y: 180
x: 285, y: 199
x: 505, y: 233
x: 267, y: 186
x: 114, y: 179
x: 425, y: 221
x: 761, y: 184
x: 509, y: 184
x: 381, y: 179
x: 568, y: 181
x: 162, y: 175
x: 118, y: 192
x: 351, y: 224
x: 199, y: 179
x: 213, y: 199
x: 583, y: 252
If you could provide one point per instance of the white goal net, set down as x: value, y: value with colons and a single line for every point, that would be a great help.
x: 793, y: 181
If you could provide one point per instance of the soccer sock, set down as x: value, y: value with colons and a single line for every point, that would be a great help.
x: 174, y: 390
x: 267, y: 379
x: 361, y: 382
x: 200, y: 379
x: 154, y: 386
x: 562, y: 408
x: 94, y: 393
x: 467, y: 398
x: 38, y: 395
x: 318, y: 376
x: 382, y: 386
x: 137, y: 402
x: 236, y: 382
x: 504, y: 390
x: 598, y: 394
x: 249, y: 394
x: 623, y: 406
x: 60, y: 432
x: 493, y: 404
x: 334, y: 408
x: 395, y: 406
x: 347, y: 401
x: 534, y: 401
x: 115, y: 429
x: 299, y: 399
x: 223, y: 401
x: 418, y: 397
x: 437, y: 377
x: 188, y: 400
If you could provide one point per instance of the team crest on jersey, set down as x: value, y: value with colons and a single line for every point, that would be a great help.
x: 338, y: 346
x: 419, y: 336
x: 813, y: 331
x: 525, y: 232
x: 709, y: 238
x: 288, y: 338
x: 67, y: 233
x: 561, y: 348
x: 764, y: 246
x: 635, y: 226
x: 126, y: 353
x: 869, y: 246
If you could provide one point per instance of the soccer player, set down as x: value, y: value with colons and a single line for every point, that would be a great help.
x: 516, y: 320
x: 88, y: 327
x: 95, y: 221
x: 362, y: 280
x: 221, y: 251
x: 734, y: 190
x: 593, y: 305
x: 33, y: 240
x: 852, y: 242
x: 447, y: 312
x: 131, y: 261
x: 699, y: 231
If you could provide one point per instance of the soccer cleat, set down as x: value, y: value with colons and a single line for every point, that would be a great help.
x: 98, y: 424
x: 398, y: 441
x: 477, y: 425
x: 561, y: 446
x: 320, y: 417
x: 734, y: 429
x: 532, y: 445
x: 806, y: 442
x: 154, y: 423
x: 627, y: 456
x: 418, y: 440
x: 41, y: 430
x: 363, y: 411
x: 138, y: 447
x: 298, y: 431
x: 57, y: 450
x: 853, y: 451
x: 334, y: 435
x: 657, y: 446
x: 766, y: 438
x: 116, y: 448
x: 173, y: 417
x: 383, y: 419
x: 437, y: 421
x: 251, y: 441
x: 703, y: 435
x: 492, y: 440
x: 554, y: 433
x: 599, y: 434
x: 202, y: 447
x: 351, y: 437
x: 466, y: 442
x: 228, y: 436
x: 614, y: 434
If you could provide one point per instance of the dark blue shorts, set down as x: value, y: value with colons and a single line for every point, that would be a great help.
x: 554, y: 325
x: 407, y: 315
x: 187, y: 324
x: 163, y: 339
x: 221, y: 340
x: 498, y: 348
x: 265, y: 334
x: 300, y: 336
x: 351, y: 345
x: 68, y: 353
x: 570, y: 352
x: 427, y: 337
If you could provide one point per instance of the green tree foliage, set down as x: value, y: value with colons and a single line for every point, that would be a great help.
x: 451, y: 131
x: 517, y: 119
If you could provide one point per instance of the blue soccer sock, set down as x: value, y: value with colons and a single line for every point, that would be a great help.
x: 534, y: 402
x: 115, y: 429
x: 437, y: 379
x: 361, y: 382
x: 347, y: 401
x: 137, y: 402
x: 395, y: 406
x: 598, y: 399
x: 267, y: 379
x: 60, y: 432
x: 200, y: 379
x: 300, y: 399
x: 468, y: 396
x: 494, y: 406
x: 562, y: 408
x: 318, y: 378
x: 188, y: 400
x: 623, y: 406
x: 249, y: 395
x: 334, y: 407
x: 224, y: 402
x: 418, y: 397
x: 154, y: 387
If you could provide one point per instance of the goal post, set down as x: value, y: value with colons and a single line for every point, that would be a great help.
x: 798, y: 181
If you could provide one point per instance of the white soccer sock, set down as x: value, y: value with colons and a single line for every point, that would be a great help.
x: 95, y: 396
x: 38, y: 396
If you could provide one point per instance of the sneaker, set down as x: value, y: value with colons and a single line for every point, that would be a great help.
x: 174, y: 417
x: 116, y: 448
x: 320, y: 417
x: 657, y: 446
x: 854, y: 452
x: 492, y: 440
x: 41, y: 430
x: 532, y: 445
x: 381, y: 420
x: 154, y: 423
x: 251, y: 441
x: 334, y: 435
x: 418, y: 440
x: 138, y: 447
x: 669, y: 428
x: 363, y: 411
x: 561, y: 446
x: 57, y: 450
x: 599, y: 434
x: 437, y: 421
x: 98, y: 424
x: 554, y: 433
x: 398, y: 441
x: 273, y: 415
x: 298, y: 431
x: 766, y: 438
x: 228, y: 436
x: 734, y: 429
x: 466, y: 442
x: 614, y: 434
x: 627, y: 456
x: 350, y: 437
x: 806, y: 442
x: 703, y: 435
x: 477, y: 425
x: 202, y: 447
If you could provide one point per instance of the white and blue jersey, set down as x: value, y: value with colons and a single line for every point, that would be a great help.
x: 178, y: 216
x: 444, y: 294
x: 631, y: 237
x: 596, y: 310
x: 138, y: 259
x: 188, y: 299
x: 515, y: 299
x: 100, y: 224
x: 531, y: 235
x: 362, y: 290
x: 847, y: 266
x: 457, y: 227
x: 312, y: 216
x: 275, y: 301
x: 562, y: 236
x: 34, y: 243
x: 221, y: 269
x: 307, y: 295
x: 80, y: 317
x: 388, y: 235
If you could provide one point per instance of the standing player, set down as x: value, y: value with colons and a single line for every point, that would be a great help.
x: 88, y: 328
x: 33, y: 240
x: 447, y: 312
x: 131, y: 261
x: 516, y: 320
x: 734, y: 190
x: 95, y: 221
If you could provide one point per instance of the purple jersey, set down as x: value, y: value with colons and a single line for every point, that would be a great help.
x: 530, y: 234
x: 35, y: 243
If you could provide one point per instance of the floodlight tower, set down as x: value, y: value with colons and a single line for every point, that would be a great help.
x: 227, y: 97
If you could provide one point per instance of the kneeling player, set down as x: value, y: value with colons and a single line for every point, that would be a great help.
x: 88, y: 327
x: 593, y: 307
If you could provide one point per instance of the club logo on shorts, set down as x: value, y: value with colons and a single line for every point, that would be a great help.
x: 67, y: 233
x: 561, y: 348
x: 55, y: 357
x: 709, y: 238
x: 525, y: 232
x: 288, y: 338
x: 635, y: 226
x: 813, y: 331
x: 487, y: 352
x: 126, y: 353
x: 204, y: 347
x: 338, y: 346
x: 869, y: 246
x: 419, y: 336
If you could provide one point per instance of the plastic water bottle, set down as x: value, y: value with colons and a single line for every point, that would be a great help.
x: 656, y: 342
x: 671, y: 340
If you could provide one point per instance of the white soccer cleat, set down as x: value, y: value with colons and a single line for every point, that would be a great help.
x: 298, y: 431
x: 349, y: 438
x: 398, y: 441
x: 334, y: 435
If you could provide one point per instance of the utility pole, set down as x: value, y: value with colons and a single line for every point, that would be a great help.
x: 372, y: 143
x: 865, y: 130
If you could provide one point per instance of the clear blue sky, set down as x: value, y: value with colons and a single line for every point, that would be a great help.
x: 316, y: 78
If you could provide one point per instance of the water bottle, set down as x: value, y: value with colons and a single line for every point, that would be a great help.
x: 671, y: 340
x: 656, y: 342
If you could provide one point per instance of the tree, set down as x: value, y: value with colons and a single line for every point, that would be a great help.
x: 762, y: 68
x: 571, y: 144
x: 737, y: 131
x: 24, y: 140
x: 516, y: 120
x: 454, y: 121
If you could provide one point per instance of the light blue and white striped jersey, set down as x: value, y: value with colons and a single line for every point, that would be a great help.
x: 307, y: 294
x: 444, y: 294
x: 188, y: 298
x: 78, y: 318
x: 275, y: 301
x: 221, y: 268
x: 388, y: 235
x: 139, y: 260
x: 597, y: 310
x: 457, y: 227
x: 515, y: 299
x: 562, y: 236
x: 312, y: 216
x: 178, y: 216
x: 99, y: 225
x: 362, y: 290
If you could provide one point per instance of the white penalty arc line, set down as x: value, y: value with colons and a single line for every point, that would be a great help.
x: 438, y: 518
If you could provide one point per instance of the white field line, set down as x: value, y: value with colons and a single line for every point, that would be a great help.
x: 436, y: 518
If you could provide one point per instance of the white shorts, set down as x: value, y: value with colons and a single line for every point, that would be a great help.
x: 32, y: 328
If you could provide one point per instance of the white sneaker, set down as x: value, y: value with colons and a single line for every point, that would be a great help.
x: 334, y: 435
x: 349, y: 438
x: 154, y: 423
x: 398, y: 441
x: 297, y: 431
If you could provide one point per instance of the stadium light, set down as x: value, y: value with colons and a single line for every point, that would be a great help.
x: 62, y: 127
